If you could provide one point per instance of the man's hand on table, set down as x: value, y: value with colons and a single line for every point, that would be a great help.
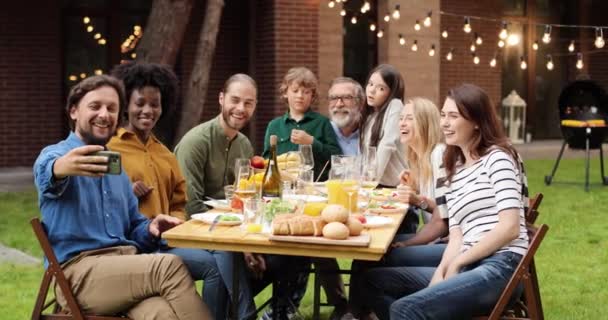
x: 255, y: 263
x: 162, y: 223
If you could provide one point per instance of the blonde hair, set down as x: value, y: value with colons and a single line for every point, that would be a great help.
x: 427, y: 134
x: 301, y: 76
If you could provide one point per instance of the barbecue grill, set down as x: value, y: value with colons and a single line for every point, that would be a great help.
x: 583, y: 110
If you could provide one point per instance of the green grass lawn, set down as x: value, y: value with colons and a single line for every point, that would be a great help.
x: 570, y: 262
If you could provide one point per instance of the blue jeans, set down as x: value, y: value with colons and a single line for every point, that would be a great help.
x: 403, y: 292
x: 215, y: 269
x: 427, y: 255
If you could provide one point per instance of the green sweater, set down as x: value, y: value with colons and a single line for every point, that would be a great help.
x: 325, y: 141
x: 207, y: 157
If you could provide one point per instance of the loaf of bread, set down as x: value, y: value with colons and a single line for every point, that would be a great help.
x: 297, y: 225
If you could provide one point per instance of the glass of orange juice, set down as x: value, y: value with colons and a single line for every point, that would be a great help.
x: 253, y: 213
x: 337, y: 193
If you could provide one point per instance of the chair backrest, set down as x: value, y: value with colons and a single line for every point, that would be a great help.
x: 525, y: 273
x: 532, y: 212
x: 53, y: 271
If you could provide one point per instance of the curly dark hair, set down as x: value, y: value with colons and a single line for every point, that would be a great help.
x: 137, y: 75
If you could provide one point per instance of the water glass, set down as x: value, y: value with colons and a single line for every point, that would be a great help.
x: 308, y: 160
x: 228, y: 192
x: 253, y: 215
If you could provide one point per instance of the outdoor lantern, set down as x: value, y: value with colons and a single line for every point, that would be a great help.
x: 514, y: 117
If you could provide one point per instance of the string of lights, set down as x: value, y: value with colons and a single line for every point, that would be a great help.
x: 504, y: 37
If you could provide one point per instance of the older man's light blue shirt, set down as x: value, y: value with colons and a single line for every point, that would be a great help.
x: 350, y: 144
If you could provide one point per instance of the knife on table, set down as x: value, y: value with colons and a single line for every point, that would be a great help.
x: 215, y: 221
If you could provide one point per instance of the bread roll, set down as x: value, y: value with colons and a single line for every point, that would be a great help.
x: 336, y: 230
x: 318, y: 223
x: 335, y: 213
x: 354, y: 226
x: 280, y: 228
x: 301, y: 226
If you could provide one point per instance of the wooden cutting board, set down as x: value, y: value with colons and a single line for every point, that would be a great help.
x: 358, y: 241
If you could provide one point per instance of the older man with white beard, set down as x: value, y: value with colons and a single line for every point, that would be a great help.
x: 346, y: 99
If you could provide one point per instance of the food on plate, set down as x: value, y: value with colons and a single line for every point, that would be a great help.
x: 336, y: 231
x: 297, y: 225
x: 354, y: 226
x: 314, y: 209
x: 276, y: 207
x: 236, y: 204
x: 335, y: 213
x: 257, y: 162
x: 226, y: 217
x: 359, y: 217
x: 383, y: 194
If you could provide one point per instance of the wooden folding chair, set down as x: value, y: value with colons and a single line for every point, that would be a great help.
x: 530, y: 306
x: 54, y: 271
x: 532, y: 212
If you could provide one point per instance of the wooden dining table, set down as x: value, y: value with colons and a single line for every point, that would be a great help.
x: 196, y: 234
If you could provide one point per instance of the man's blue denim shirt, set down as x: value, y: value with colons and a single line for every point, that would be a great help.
x: 86, y: 213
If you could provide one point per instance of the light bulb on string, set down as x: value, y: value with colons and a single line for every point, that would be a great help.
x: 599, y: 38
x: 86, y: 20
x: 97, y: 36
x: 493, y: 61
x: 513, y: 40
x: 401, y: 40
x: 475, y: 59
x: 380, y: 33
x: 102, y: 41
x: 432, y: 51
x: 450, y: 55
x: 415, y: 46
x: 343, y: 12
x: 549, y: 62
x: 365, y: 7
x: 503, y: 32
x: 478, y: 39
x: 331, y: 4
x: 579, y: 61
x: 73, y: 77
x: 427, y: 20
x: 473, y: 48
x: 396, y: 14
x: 387, y: 17
x: 522, y: 64
x: 372, y: 27
x: 353, y: 20
x: 535, y: 45
x: 83, y: 75
x: 467, y: 25
x: 547, y: 34
x: 571, y: 46
x: 417, y: 25
x: 90, y: 28
x: 98, y: 72
x: 501, y: 43
x: 444, y: 34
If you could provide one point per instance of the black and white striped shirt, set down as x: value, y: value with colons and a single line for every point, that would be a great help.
x: 478, y: 193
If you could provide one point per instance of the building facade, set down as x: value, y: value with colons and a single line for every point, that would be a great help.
x: 45, y: 47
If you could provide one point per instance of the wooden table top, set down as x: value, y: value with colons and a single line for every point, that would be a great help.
x: 195, y: 234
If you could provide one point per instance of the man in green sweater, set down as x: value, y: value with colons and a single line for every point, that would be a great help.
x: 207, y: 153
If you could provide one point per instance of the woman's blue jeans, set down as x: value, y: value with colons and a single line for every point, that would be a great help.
x: 403, y: 292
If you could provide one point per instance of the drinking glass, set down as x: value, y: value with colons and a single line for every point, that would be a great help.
x: 308, y: 160
x: 351, y: 185
x: 305, y: 182
x: 253, y: 215
x: 245, y: 187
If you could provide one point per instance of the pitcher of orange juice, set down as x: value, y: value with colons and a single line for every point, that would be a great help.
x: 341, y: 188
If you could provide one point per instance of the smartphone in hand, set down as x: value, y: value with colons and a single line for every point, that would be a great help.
x: 114, y: 162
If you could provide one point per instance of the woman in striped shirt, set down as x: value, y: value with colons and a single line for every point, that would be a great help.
x: 483, y: 197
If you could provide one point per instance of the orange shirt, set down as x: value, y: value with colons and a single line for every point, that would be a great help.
x: 157, y: 167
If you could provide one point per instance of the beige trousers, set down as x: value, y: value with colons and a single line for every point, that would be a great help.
x: 144, y: 286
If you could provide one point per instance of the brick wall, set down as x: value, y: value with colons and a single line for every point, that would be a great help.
x: 30, y: 81
x: 286, y: 36
x: 461, y: 69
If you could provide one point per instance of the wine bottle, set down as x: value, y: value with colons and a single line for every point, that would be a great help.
x: 271, y: 185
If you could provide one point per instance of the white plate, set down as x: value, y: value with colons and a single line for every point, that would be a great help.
x: 219, y: 204
x: 208, y: 218
x: 305, y: 197
x: 373, y: 221
x: 398, y: 207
